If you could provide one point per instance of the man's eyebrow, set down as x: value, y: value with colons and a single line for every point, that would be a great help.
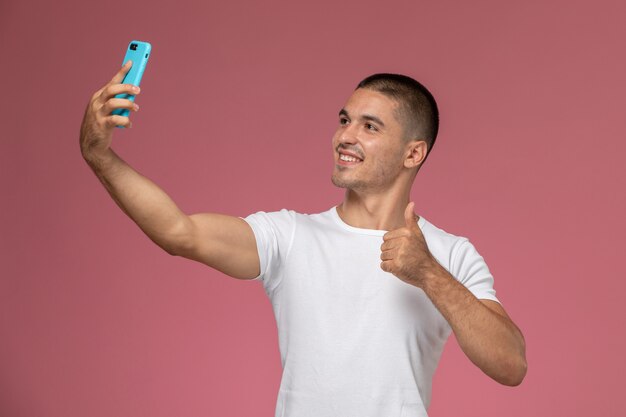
x: 373, y: 119
x: 344, y: 112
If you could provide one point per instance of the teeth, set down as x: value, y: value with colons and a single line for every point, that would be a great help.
x: 347, y: 158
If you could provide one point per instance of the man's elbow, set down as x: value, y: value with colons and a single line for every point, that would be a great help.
x: 515, y: 373
x: 178, y: 241
x: 179, y: 247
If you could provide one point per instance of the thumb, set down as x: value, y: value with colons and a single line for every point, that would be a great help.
x: 409, y: 216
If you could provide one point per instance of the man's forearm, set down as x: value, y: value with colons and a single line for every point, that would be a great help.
x: 142, y: 200
x: 490, y: 340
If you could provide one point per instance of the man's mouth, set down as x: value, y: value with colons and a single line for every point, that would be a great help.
x: 348, y: 158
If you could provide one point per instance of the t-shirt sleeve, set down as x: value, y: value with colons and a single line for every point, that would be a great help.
x: 273, y: 232
x: 471, y: 270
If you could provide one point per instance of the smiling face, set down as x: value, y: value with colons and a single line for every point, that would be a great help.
x: 369, y: 145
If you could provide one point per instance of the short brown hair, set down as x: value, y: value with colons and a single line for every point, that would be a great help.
x: 417, y: 104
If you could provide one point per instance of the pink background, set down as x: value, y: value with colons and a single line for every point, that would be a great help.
x: 239, y: 103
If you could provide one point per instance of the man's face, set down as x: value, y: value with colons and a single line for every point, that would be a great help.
x: 368, y: 145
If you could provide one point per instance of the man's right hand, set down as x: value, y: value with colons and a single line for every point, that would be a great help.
x: 98, y: 123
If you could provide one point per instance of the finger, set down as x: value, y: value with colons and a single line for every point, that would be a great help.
x: 386, y: 266
x: 114, y: 89
x: 390, y: 244
x: 388, y: 255
x: 118, y: 103
x: 394, y: 234
x: 119, y: 76
x: 409, y: 216
x: 117, y: 120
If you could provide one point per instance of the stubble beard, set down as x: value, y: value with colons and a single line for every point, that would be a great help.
x: 347, y: 184
x: 357, y: 184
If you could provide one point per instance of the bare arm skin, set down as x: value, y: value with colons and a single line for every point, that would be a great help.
x: 222, y: 242
x: 483, y: 329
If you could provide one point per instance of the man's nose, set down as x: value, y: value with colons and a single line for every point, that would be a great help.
x: 348, y: 134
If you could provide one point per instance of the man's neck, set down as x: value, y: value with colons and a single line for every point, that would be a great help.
x: 374, y: 211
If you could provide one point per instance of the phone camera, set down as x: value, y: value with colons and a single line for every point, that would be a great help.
x: 133, y: 46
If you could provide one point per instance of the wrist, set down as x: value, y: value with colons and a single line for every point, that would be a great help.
x: 98, y: 160
x: 431, y: 274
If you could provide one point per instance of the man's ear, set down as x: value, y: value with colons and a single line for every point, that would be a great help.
x: 416, y: 153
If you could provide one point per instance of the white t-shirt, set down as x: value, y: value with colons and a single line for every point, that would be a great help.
x: 355, y: 341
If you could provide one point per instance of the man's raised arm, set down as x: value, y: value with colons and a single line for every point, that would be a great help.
x: 222, y: 242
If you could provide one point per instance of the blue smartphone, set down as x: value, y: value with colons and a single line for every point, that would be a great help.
x: 138, y: 52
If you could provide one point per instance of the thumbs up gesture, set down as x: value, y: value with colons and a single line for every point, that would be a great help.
x: 404, y: 251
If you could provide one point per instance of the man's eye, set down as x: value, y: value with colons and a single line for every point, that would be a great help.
x: 343, y: 121
x: 370, y: 126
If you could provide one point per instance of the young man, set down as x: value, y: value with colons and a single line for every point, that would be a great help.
x: 365, y: 294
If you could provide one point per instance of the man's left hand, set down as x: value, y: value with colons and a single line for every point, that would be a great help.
x: 405, y: 252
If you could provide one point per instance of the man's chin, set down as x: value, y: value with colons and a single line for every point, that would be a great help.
x: 338, y: 182
x: 347, y: 184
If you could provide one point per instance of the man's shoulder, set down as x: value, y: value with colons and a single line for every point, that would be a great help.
x: 435, y: 235
x: 286, y: 217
